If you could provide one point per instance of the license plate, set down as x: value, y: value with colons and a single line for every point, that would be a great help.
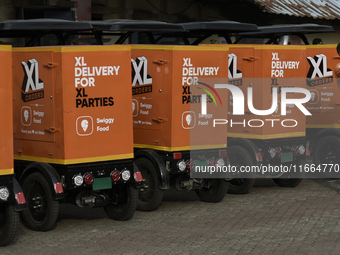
x: 102, y: 183
x: 287, y: 157
x: 201, y: 163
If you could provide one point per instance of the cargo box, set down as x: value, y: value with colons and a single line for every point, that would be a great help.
x: 264, y: 67
x: 166, y: 101
x: 72, y: 105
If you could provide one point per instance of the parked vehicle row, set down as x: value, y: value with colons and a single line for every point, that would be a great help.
x: 79, y: 139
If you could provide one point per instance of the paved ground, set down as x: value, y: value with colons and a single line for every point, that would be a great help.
x: 268, y: 220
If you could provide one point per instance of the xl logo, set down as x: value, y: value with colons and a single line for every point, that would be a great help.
x: 140, y: 76
x: 318, y: 67
x: 31, y: 81
x: 235, y: 75
x: 140, y: 71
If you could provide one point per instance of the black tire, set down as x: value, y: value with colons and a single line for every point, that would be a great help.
x: 123, y: 203
x: 42, y: 210
x: 293, y: 180
x: 327, y: 151
x: 9, y: 222
x: 214, y: 191
x: 239, y: 156
x: 240, y: 186
x: 151, y: 197
x: 287, y: 182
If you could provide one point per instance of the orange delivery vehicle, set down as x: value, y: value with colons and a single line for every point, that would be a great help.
x: 72, y: 122
x: 261, y: 136
x: 12, y: 199
x: 171, y: 136
x: 321, y: 78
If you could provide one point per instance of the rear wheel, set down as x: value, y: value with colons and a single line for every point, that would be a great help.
x: 213, y: 191
x: 123, y: 203
x: 42, y: 210
x: 151, y: 196
x: 293, y: 179
x: 9, y: 222
x: 240, y: 186
x: 238, y: 156
x: 287, y: 182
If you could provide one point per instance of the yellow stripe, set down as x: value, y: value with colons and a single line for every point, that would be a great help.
x: 6, y: 171
x: 323, y: 46
x: 74, y: 48
x: 174, y: 48
x: 183, y: 148
x: 74, y: 161
x: 323, y: 126
x: 274, y: 136
x: 5, y: 48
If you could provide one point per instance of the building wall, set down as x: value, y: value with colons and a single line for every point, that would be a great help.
x: 7, y: 11
x: 165, y: 10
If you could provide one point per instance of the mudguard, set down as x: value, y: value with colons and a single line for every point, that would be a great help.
x: 49, y: 173
x: 20, y: 201
x: 159, y: 165
x: 248, y: 145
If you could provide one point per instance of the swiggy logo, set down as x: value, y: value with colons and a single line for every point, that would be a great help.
x: 84, y: 125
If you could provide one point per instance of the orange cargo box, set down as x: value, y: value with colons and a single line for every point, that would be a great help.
x: 167, y: 83
x: 324, y: 85
x: 264, y: 67
x: 72, y: 104
x: 6, y: 127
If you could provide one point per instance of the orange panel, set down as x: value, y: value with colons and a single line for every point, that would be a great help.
x: 265, y: 67
x: 324, y: 86
x: 167, y: 97
x: 6, y: 125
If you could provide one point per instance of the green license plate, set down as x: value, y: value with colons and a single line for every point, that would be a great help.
x: 201, y: 163
x: 287, y: 157
x: 102, y: 183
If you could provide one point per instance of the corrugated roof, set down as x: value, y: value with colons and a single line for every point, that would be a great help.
x: 317, y: 9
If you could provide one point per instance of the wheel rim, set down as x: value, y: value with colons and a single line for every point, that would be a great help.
x: 37, y: 202
x: 213, y: 187
x: 236, y: 160
x: 237, y: 182
x: 147, y: 193
x: 328, y: 154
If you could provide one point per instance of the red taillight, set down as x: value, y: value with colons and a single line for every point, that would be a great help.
x: 295, y: 150
x: 177, y: 155
x: 212, y: 162
x: 259, y: 156
x: 115, y: 176
x: 278, y: 151
x: 223, y: 153
x: 307, y: 152
x: 88, y: 178
x: 190, y: 165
